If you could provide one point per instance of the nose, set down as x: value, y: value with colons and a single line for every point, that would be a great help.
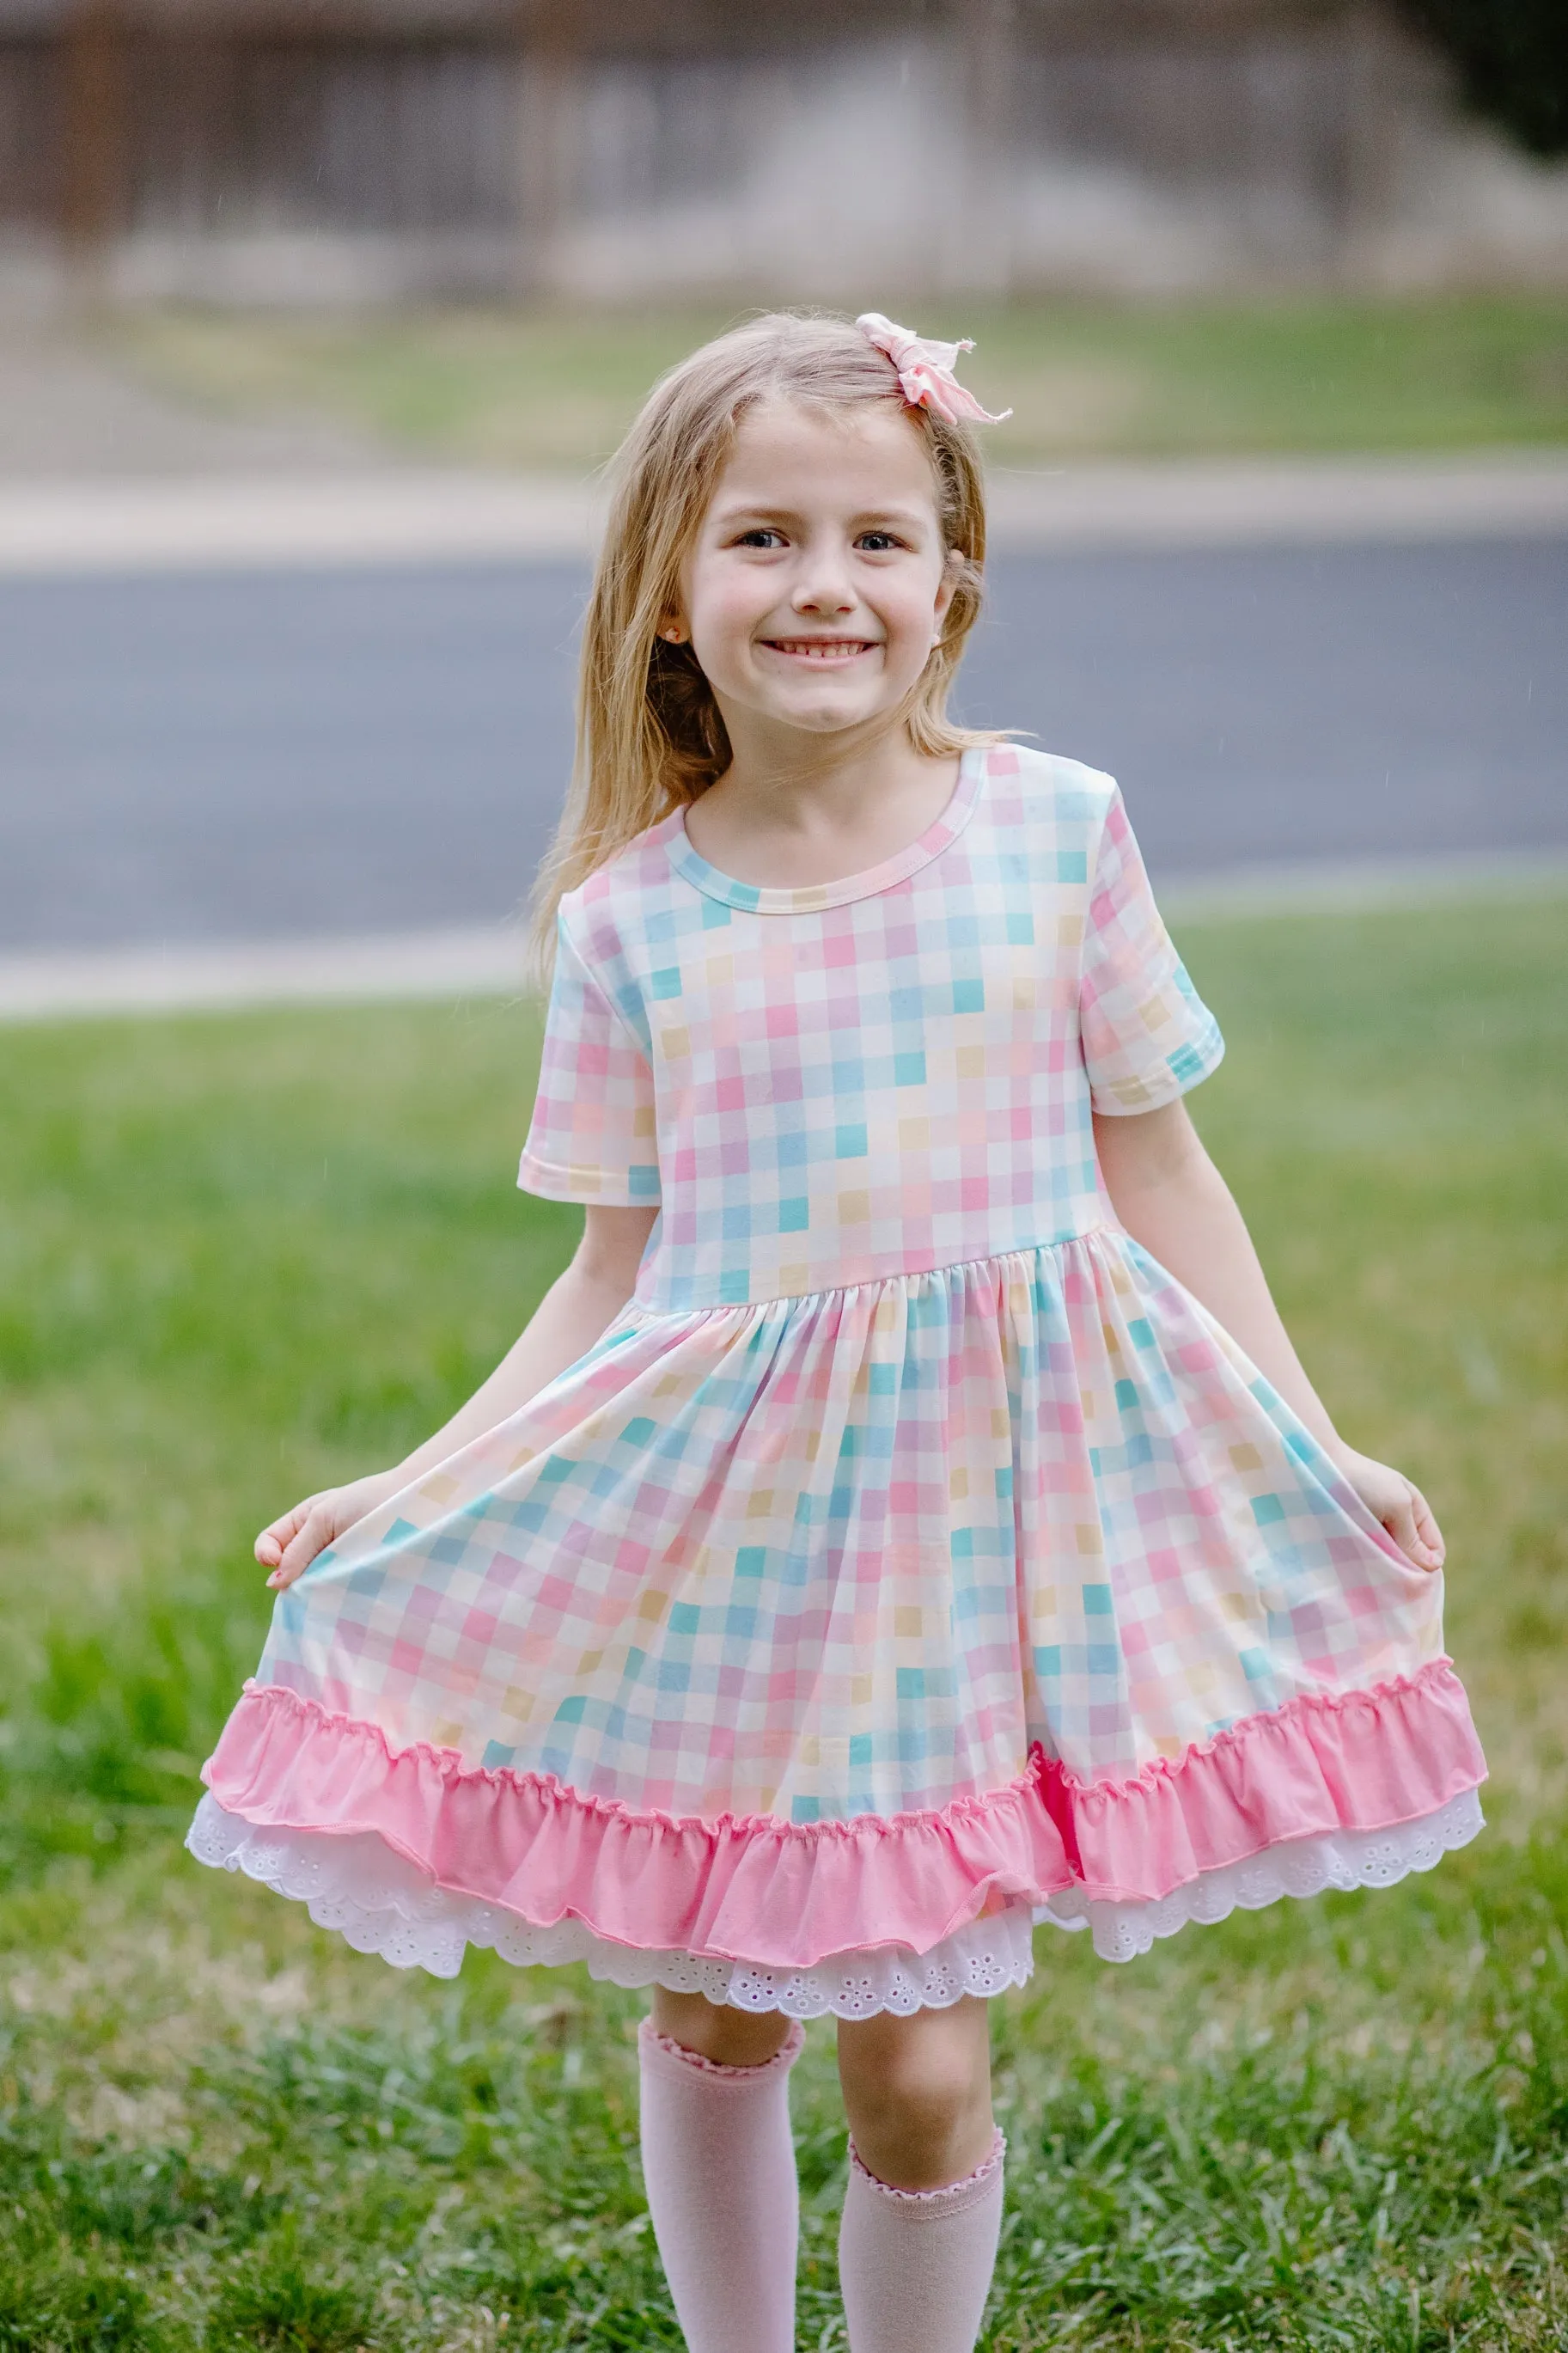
x: 823, y: 584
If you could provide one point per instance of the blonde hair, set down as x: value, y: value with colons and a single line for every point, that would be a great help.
x: 649, y: 735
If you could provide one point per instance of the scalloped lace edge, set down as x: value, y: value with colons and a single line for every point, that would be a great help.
x: 1341, y: 1860
x: 380, y: 1904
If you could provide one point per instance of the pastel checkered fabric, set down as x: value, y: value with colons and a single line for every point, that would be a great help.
x: 874, y: 1079
x: 904, y: 1461
x: 858, y: 1554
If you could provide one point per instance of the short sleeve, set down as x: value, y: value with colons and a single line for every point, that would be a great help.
x: 592, y: 1137
x: 1147, y: 1035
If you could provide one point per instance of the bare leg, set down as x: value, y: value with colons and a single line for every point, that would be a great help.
x: 917, y: 2092
x: 730, y: 2038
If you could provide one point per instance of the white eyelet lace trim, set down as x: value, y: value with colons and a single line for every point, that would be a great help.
x: 1339, y: 1858
x: 382, y: 1904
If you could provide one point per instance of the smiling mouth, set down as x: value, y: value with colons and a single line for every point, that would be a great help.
x: 820, y: 648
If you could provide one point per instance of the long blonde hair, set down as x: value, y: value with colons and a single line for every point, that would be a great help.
x: 649, y: 735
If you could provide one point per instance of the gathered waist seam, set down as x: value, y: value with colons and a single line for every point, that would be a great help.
x: 645, y: 1312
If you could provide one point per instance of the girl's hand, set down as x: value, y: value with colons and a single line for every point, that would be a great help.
x: 1399, y: 1503
x: 290, y: 1545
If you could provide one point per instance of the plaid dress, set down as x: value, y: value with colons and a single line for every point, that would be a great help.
x: 913, y: 1558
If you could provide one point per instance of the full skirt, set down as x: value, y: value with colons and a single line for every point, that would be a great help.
x: 804, y: 1652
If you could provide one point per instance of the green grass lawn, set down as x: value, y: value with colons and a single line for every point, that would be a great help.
x: 244, y: 1254
x: 557, y: 390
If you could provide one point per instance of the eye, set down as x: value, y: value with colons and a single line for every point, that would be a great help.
x: 761, y: 534
x: 879, y: 542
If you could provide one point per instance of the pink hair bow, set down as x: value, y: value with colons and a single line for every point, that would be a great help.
x: 925, y: 371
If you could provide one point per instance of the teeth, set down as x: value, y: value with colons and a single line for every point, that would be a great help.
x: 820, y: 647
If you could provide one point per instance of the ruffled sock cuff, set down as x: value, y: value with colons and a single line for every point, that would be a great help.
x: 663, y: 2051
x: 952, y: 2200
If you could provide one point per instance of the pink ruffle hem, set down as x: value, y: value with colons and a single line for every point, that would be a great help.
x: 783, y: 1895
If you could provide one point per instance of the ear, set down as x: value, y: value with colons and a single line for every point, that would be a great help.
x: 672, y: 630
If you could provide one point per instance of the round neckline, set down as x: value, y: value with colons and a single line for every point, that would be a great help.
x: 808, y: 897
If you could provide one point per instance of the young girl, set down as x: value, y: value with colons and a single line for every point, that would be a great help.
x: 906, y: 1519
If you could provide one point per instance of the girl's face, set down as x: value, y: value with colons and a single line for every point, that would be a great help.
x: 819, y: 579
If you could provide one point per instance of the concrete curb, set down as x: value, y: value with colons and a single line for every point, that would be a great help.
x: 1300, y: 501
x: 483, y: 961
x: 488, y: 960
x: 1364, y: 886
x: 263, y: 523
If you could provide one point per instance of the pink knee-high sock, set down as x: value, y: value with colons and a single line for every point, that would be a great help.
x: 915, y: 2266
x: 719, y: 2166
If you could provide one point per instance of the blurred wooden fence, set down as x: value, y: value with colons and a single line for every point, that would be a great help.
x: 575, y: 144
x: 109, y: 121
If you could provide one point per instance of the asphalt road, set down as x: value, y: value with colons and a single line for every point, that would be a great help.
x: 232, y: 757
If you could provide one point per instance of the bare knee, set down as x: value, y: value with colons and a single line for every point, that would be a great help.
x: 730, y: 2038
x: 918, y: 2093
